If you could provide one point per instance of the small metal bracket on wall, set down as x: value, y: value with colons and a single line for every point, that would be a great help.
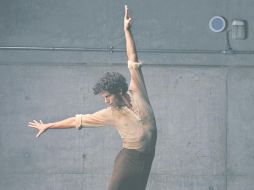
x: 228, y: 49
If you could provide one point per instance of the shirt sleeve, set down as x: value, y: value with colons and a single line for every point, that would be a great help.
x: 97, y: 119
x: 137, y: 80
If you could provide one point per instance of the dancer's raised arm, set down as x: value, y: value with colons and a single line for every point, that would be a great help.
x: 130, y: 45
x: 137, y: 82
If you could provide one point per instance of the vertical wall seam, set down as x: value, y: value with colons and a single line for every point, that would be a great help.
x: 226, y: 130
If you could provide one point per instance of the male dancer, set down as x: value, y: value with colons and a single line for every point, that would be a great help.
x: 130, y: 112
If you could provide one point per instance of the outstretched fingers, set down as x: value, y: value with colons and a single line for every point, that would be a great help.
x: 126, y: 12
x: 35, y: 124
x: 31, y: 124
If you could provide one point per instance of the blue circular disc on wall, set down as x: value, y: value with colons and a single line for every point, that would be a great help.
x: 217, y: 24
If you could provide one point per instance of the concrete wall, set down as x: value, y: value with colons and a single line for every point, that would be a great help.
x: 204, y: 102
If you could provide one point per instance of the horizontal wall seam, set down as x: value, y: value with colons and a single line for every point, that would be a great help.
x: 112, y: 50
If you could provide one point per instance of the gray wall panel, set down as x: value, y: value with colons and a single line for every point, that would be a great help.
x: 240, y: 182
x: 191, y: 120
x: 240, y: 122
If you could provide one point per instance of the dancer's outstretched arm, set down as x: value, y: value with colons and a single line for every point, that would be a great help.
x: 98, y: 119
x: 130, y: 45
x: 42, y: 127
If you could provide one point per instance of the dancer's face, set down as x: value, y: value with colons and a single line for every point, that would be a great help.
x: 112, y: 99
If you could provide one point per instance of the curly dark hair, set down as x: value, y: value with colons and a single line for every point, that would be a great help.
x: 113, y: 82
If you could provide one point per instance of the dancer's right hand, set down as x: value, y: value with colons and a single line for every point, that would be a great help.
x: 40, y: 126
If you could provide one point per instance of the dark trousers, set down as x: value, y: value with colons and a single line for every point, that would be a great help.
x: 131, y: 170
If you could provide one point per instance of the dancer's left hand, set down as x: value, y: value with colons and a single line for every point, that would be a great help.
x: 127, y: 19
